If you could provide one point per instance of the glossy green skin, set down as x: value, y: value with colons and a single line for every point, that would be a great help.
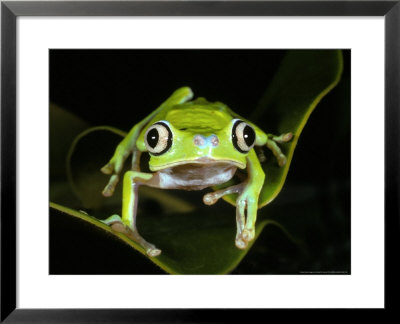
x: 197, y: 117
x: 207, y: 164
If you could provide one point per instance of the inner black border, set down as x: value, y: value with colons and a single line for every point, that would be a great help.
x: 10, y: 10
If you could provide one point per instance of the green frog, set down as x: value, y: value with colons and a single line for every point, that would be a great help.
x: 193, y: 144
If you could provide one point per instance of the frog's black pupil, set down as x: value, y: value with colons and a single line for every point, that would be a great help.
x: 152, y: 137
x: 249, y: 135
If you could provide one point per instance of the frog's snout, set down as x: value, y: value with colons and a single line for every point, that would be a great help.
x: 202, y: 141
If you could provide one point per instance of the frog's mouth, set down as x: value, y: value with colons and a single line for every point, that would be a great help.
x: 200, y: 162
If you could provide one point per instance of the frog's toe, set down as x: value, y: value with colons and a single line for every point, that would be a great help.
x: 281, y: 160
x: 248, y: 234
x: 108, y: 168
x: 115, y: 222
x: 210, y: 199
x: 284, y: 138
x: 112, y: 219
x: 240, y: 243
x: 153, y: 252
x: 287, y: 137
x: 110, y: 187
x: 119, y: 227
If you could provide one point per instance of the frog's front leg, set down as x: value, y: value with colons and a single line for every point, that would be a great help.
x: 127, y: 224
x: 248, y: 198
x: 248, y: 191
x: 127, y: 145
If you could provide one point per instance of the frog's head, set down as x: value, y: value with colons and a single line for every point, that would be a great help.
x: 171, y: 145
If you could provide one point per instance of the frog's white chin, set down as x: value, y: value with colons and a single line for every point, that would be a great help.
x: 195, y: 175
x: 205, y: 161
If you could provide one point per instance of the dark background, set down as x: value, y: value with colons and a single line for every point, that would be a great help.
x: 120, y: 87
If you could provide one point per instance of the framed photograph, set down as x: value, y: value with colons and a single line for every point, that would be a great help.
x: 154, y: 152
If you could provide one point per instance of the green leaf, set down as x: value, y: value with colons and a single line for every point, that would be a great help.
x: 200, y: 243
x: 67, y: 124
x: 201, y: 240
x: 303, y: 79
x: 64, y: 127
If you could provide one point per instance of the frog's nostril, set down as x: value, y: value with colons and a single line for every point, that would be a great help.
x: 199, y: 140
x: 213, y: 139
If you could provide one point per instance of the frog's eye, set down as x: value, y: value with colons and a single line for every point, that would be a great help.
x: 158, y: 138
x: 243, y: 136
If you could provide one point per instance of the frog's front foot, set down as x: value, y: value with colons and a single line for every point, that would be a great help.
x: 245, y: 225
x: 248, y: 234
x: 116, y: 223
x: 243, y: 238
x: 272, y: 144
x: 246, y: 200
x: 240, y: 243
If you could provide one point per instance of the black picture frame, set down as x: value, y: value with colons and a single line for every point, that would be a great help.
x: 11, y: 10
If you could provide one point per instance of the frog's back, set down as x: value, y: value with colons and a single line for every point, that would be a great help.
x: 199, y: 116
